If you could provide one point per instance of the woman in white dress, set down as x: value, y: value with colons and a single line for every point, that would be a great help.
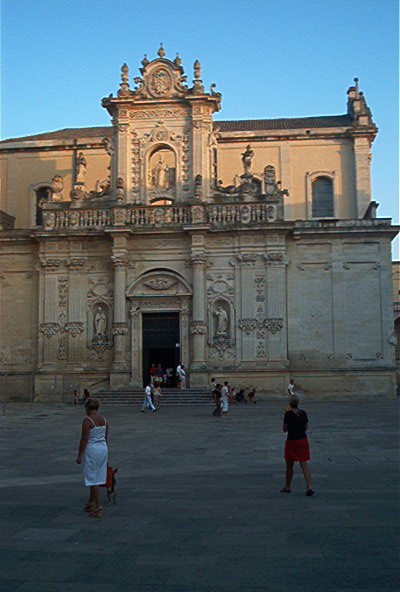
x: 93, y: 453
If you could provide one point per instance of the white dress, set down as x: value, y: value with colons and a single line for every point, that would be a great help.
x: 95, y: 456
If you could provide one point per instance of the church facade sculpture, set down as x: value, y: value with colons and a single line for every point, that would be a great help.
x: 253, y: 247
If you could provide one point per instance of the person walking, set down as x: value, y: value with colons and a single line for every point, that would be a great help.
x: 225, y: 399
x: 216, y: 397
x: 93, y: 454
x: 181, y: 373
x: 157, y: 395
x: 147, y: 402
x: 290, y: 388
x: 295, y: 424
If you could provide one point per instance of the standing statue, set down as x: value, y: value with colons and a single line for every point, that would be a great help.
x: 100, y: 323
x: 80, y: 169
x: 57, y: 186
x: 222, y: 321
x: 160, y: 174
x: 247, y: 158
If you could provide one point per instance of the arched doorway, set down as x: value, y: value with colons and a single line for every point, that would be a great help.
x: 160, y: 302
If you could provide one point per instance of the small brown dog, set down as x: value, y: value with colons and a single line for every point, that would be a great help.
x: 112, y: 488
x: 111, y: 485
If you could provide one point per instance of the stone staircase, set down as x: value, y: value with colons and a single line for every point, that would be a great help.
x: 170, y: 397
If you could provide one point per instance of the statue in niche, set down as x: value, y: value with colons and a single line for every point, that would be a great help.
x: 80, y: 169
x: 160, y: 174
x: 247, y: 159
x: 222, y: 321
x: 100, y: 324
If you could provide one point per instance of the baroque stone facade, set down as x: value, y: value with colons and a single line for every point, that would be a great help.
x: 247, y: 249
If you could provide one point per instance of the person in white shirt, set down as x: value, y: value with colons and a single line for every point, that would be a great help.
x: 290, y: 388
x: 181, y: 375
x: 225, y: 399
x: 147, y: 399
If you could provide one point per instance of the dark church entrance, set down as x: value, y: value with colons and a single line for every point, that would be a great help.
x: 161, y: 343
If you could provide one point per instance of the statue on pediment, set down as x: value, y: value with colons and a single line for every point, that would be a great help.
x: 80, y: 168
x: 247, y: 159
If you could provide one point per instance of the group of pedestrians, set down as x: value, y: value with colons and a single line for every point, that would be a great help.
x: 224, y: 395
x: 93, y: 447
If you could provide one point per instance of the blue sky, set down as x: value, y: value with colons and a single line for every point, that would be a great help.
x: 269, y: 58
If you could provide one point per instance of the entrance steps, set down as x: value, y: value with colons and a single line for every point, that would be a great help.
x: 170, y: 397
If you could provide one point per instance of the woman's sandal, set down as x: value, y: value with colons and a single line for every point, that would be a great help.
x: 97, y: 513
x: 284, y: 490
x: 310, y: 492
x: 89, y: 507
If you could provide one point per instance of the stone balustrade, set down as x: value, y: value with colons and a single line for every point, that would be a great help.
x: 159, y: 216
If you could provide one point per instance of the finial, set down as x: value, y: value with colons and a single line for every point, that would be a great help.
x: 197, y: 70
x: 161, y: 51
x: 177, y: 61
x: 145, y: 61
x: 125, y: 80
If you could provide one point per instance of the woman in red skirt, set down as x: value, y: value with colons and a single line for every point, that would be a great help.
x: 295, y: 423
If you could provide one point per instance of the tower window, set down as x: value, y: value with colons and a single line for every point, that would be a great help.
x: 322, y: 198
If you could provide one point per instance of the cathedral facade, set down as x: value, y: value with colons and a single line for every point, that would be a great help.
x: 248, y: 250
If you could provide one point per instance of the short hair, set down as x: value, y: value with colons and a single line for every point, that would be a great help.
x: 294, y: 401
x: 92, y: 404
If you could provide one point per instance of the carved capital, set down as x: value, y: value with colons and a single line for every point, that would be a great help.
x: 273, y: 325
x: 247, y: 325
x: 120, y: 261
x: 276, y: 259
x: 74, y: 328
x: 50, y: 263
x: 76, y: 263
x: 199, y: 260
x: 120, y: 329
x: 246, y: 259
x: 49, y: 329
x: 198, y: 328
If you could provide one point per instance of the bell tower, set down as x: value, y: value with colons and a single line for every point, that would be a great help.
x: 163, y: 145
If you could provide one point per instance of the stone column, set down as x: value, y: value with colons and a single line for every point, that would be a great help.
x: 120, y: 370
x: 198, y: 327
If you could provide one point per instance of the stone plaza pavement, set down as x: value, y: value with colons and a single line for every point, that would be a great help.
x: 199, y: 507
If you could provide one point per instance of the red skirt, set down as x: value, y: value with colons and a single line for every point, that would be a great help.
x: 297, y: 450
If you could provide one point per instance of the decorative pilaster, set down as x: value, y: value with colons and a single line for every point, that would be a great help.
x: 48, y: 318
x: 76, y: 310
x: 362, y: 155
x: 276, y: 322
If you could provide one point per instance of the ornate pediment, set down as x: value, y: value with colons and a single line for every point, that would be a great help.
x: 161, y: 79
